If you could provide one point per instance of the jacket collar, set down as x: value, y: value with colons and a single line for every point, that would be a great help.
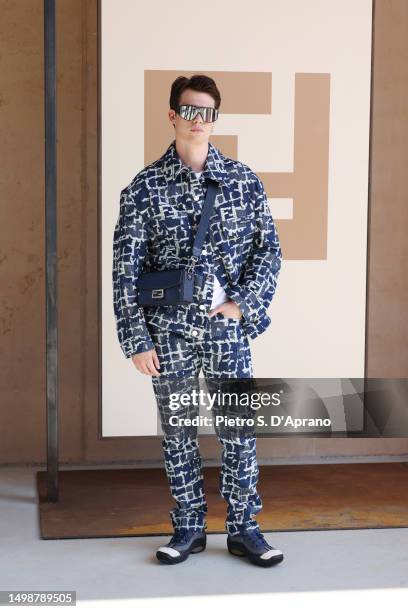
x: 214, y: 166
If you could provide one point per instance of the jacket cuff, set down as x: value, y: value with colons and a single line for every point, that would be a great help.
x: 132, y: 346
x: 134, y: 336
x: 256, y: 328
x: 250, y: 306
x: 255, y: 318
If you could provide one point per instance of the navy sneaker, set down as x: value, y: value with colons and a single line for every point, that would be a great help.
x: 252, y: 544
x: 183, y: 542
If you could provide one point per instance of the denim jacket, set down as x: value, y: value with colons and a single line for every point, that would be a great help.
x: 159, y: 212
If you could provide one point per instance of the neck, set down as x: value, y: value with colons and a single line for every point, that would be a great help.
x: 192, y: 155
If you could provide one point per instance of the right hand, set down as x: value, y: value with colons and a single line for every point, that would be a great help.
x: 147, y: 362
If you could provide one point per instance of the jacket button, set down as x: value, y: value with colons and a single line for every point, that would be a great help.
x: 194, y: 332
x: 202, y: 306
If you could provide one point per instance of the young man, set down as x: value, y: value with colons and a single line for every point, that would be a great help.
x: 235, y: 281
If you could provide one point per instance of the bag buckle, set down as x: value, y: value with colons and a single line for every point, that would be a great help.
x: 157, y: 293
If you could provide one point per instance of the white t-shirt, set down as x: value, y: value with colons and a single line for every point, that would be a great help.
x: 219, y: 296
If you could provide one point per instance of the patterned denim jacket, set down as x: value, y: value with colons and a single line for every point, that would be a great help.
x: 159, y: 212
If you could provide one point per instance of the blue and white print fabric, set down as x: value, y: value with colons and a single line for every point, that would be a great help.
x: 223, y: 354
x: 159, y: 212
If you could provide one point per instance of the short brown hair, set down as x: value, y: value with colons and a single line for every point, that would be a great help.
x: 198, y: 82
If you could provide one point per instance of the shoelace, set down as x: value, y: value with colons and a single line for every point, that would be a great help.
x: 257, y: 539
x: 180, y: 536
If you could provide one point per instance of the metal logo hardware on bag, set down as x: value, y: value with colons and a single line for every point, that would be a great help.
x: 176, y: 286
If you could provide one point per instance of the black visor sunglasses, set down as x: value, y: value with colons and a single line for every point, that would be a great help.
x: 190, y: 112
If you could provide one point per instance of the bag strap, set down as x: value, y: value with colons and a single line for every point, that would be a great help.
x: 208, y: 205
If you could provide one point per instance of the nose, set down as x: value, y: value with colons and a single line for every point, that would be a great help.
x: 198, y: 118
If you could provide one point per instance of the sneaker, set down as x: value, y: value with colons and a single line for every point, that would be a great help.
x: 183, y: 542
x: 253, y: 545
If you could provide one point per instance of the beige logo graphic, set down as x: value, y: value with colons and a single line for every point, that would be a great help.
x: 305, y: 235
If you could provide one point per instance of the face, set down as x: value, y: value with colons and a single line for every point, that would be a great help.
x: 194, y: 131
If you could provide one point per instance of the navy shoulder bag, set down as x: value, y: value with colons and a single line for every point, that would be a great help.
x: 176, y: 286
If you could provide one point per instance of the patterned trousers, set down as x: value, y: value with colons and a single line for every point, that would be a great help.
x: 223, y: 354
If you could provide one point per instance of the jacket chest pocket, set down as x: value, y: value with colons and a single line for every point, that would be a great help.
x: 238, y: 229
x: 171, y: 234
x: 175, y: 226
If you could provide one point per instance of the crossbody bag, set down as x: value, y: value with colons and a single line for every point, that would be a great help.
x: 176, y: 286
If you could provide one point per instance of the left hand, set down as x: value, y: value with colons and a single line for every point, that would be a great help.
x: 229, y: 309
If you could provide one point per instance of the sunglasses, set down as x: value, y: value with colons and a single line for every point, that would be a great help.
x: 189, y: 112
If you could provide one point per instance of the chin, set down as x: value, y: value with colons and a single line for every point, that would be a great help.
x: 198, y: 135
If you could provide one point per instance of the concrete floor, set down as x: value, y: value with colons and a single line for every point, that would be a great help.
x: 126, y: 568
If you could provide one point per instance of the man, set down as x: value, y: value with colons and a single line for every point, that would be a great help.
x: 235, y: 281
